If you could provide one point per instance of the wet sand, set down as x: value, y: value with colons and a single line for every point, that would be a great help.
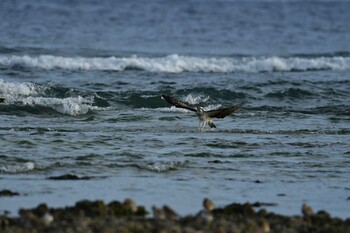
x: 97, y: 216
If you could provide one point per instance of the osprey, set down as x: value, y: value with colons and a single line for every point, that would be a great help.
x: 204, y: 116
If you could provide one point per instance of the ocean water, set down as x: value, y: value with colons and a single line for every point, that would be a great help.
x: 82, y: 82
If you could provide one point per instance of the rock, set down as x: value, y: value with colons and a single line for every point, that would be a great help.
x: 261, y: 204
x: 8, y: 193
x: 39, y: 217
x: 236, y: 209
x: 158, y: 213
x: 127, y: 208
x: 206, y: 216
x: 94, y: 216
x: 141, y: 211
x: 47, y: 219
x: 265, y: 226
x: 169, y: 213
x: 41, y: 210
x: 69, y: 177
x: 29, y: 219
x: 116, y: 208
x: 4, y: 222
x: 92, y: 208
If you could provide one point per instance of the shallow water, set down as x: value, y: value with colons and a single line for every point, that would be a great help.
x: 74, y: 106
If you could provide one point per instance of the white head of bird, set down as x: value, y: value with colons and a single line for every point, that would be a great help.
x: 200, y: 111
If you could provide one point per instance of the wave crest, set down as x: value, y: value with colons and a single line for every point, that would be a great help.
x: 18, y: 168
x: 162, y: 166
x: 20, y: 95
x: 15, y: 89
x: 72, y: 105
x: 177, y: 63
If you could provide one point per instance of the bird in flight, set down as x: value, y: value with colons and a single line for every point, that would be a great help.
x: 205, y: 117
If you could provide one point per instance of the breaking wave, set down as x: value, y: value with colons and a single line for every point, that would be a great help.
x: 17, y: 168
x: 178, y: 63
x: 33, y: 98
x: 15, y: 89
x: 162, y: 166
x: 71, y: 106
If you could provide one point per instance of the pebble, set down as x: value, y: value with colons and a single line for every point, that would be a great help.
x: 47, y: 219
x: 8, y: 193
x: 96, y: 216
x: 169, y: 213
x: 158, y: 213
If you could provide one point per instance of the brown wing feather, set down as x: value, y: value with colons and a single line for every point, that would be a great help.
x: 222, y: 112
x: 177, y: 103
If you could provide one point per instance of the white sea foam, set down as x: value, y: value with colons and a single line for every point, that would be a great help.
x: 195, y: 100
x: 72, y: 105
x: 172, y: 109
x: 177, y: 63
x: 166, y: 109
x: 191, y: 99
x: 162, y: 166
x: 29, y: 94
x: 13, y: 90
x: 18, y: 168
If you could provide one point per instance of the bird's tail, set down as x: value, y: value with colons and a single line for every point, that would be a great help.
x: 211, y: 124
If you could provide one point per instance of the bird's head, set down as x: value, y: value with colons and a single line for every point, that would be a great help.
x: 200, y: 111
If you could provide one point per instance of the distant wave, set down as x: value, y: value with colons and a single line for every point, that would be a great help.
x: 178, y: 63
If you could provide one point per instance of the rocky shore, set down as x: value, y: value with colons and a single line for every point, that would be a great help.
x: 97, y: 216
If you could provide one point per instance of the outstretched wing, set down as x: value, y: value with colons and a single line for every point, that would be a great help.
x: 222, y: 112
x: 177, y: 103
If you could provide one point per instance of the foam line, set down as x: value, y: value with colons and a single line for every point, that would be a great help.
x: 178, y: 63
